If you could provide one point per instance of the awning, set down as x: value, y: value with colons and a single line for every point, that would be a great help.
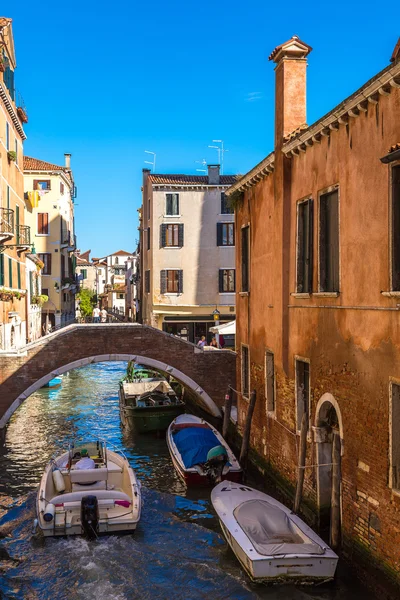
x: 225, y: 328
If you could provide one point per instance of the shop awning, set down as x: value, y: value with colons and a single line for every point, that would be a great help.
x: 225, y: 328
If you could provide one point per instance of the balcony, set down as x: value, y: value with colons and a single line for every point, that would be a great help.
x: 23, y: 234
x: 6, y: 224
x: 68, y: 240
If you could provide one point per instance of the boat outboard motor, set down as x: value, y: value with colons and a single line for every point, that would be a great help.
x: 90, y: 516
x: 217, y: 458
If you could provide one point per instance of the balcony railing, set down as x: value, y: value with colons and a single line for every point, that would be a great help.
x: 68, y: 239
x: 23, y: 235
x: 6, y: 221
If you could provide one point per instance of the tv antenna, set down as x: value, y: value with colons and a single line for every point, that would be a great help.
x: 202, y: 162
x: 221, y: 151
x: 152, y: 162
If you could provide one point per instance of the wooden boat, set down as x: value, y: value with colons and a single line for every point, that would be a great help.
x: 271, y: 543
x: 88, y: 490
x: 147, y: 402
x: 199, y: 452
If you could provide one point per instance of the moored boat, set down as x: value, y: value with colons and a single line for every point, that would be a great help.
x: 88, y: 490
x: 271, y: 543
x: 199, y: 453
x: 147, y: 401
x: 54, y: 383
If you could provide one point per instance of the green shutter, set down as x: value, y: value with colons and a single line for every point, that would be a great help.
x: 219, y: 234
x: 180, y: 235
x: 17, y: 225
x: 10, y: 278
x: 19, y: 275
x: 1, y: 269
x: 221, y: 280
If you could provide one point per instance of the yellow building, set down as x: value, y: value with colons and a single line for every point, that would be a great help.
x: 50, y: 193
x: 14, y: 235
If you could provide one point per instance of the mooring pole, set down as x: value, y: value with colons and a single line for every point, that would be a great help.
x: 301, y: 462
x: 246, y: 434
x: 227, y: 412
x: 335, y: 500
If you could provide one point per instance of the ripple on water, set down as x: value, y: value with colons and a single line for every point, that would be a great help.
x: 177, y: 551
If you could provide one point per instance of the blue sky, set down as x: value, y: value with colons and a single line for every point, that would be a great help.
x: 108, y: 80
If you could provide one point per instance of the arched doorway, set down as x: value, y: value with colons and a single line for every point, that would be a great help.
x: 328, y: 437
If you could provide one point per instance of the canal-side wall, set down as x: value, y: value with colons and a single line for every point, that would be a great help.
x: 206, y: 373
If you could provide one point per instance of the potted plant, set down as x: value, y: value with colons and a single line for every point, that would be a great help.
x: 12, y: 156
x: 40, y: 299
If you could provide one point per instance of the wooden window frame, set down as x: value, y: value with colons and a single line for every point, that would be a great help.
x: 172, y: 214
x: 220, y: 234
x: 393, y: 286
x: 36, y: 183
x: 221, y: 281
x: 46, y: 262
x: 303, y: 245
x: 325, y: 192
x: 37, y: 224
x: 242, y: 282
x: 395, y: 490
x: 225, y: 209
x: 147, y: 281
x: 171, y: 285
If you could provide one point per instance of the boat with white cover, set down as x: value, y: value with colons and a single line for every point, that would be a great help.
x: 271, y: 543
x: 88, y: 490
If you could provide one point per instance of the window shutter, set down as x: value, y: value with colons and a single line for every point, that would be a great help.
x: 40, y: 222
x: 49, y: 264
x: 19, y: 276
x: 180, y: 235
x: 223, y: 203
x: 163, y: 281
x: 234, y: 280
x: 1, y: 269
x: 310, y: 245
x: 396, y: 228
x: 219, y: 234
x: 163, y: 236
x: 180, y: 282
x: 221, y: 280
x: 35, y: 184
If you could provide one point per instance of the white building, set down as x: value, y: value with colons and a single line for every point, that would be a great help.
x: 187, y: 252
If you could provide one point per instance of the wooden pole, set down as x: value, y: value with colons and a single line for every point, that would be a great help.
x: 335, y: 501
x: 227, y: 412
x: 301, y: 462
x: 246, y: 434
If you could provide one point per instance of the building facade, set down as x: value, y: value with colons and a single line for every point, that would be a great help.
x: 14, y: 234
x: 318, y: 264
x: 50, y: 192
x: 86, y: 271
x: 131, y: 278
x: 187, y: 252
x: 115, y: 267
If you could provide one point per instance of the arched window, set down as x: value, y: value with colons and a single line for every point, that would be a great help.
x: 116, y: 260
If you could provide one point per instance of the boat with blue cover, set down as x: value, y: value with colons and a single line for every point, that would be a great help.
x: 199, y: 453
x: 54, y: 383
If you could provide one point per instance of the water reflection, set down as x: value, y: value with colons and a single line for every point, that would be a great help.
x: 177, y: 550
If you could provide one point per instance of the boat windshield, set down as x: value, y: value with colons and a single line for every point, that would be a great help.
x: 93, y: 450
x: 271, y: 531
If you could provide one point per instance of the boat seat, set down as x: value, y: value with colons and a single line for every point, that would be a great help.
x: 112, y: 467
x: 88, y: 479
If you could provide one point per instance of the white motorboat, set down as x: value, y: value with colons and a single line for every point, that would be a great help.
x: 88, y: 490
x: 271, y: 543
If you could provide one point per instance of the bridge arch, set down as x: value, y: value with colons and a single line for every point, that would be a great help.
x: 206, y: 374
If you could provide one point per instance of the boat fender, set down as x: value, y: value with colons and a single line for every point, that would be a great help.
x: 49, y: 512
x: 217, y: 454
x: 58, y: 480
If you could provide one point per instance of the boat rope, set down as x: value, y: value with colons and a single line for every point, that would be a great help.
x: 119, y: 516
x: 320, y: 465
x: 91, y: 527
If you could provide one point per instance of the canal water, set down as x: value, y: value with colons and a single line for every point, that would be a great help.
x: 176, y: 553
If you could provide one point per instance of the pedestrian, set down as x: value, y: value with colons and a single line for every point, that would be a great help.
x: 47, y: 328
x: 214, y: 343
x: 103, y: 315
x: 221, y: 341
x: 202, y: 342
x: 78, y: 316
x: 96, y: 314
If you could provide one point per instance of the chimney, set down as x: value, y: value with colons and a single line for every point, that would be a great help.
x: 213, y: 174
x: 290, y: 87
x: 67, y: 161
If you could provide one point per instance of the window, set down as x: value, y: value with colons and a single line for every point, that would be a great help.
x: 84, y: 273
x: 120, y: 296
x: 1, y: 269
x: 171, y: 235
x: 116, y: 262
x: 245, y: 259
x: 46, y: 260
x: 395, y: 437
x: 225, y: 234
x: 147, y: 282
x: 61, y: 188
x: 396, y: 228
x: 7, y: 136
x: 8, y: 196
x: 304, y: 247
x: 245, y: 371
x: 16, y: 152
x: 45, y: 292
x: 302, y: 390
x: 148, y: 212
x: 42, y: 184
x: 270, y: 381
x: 18, y: 276
x: 226, y: 209
x: 10, y: 273
x: 329, y: 242
x: 172, y: 204
x: 226, y: 280
x: 31, y: 286
x: 148, y: 238
x: 43, y: 224
x: 171, y: 281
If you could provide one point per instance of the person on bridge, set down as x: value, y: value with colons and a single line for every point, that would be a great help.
x: 96, y: 314
x: 202, y: 341
x: 103, y: 315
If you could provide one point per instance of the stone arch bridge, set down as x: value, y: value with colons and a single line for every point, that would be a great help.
x: 207, y: 374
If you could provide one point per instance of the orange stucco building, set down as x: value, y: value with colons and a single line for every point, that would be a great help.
x: 318, y: 311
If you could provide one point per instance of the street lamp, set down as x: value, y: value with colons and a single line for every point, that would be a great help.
x: 216, y: 315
